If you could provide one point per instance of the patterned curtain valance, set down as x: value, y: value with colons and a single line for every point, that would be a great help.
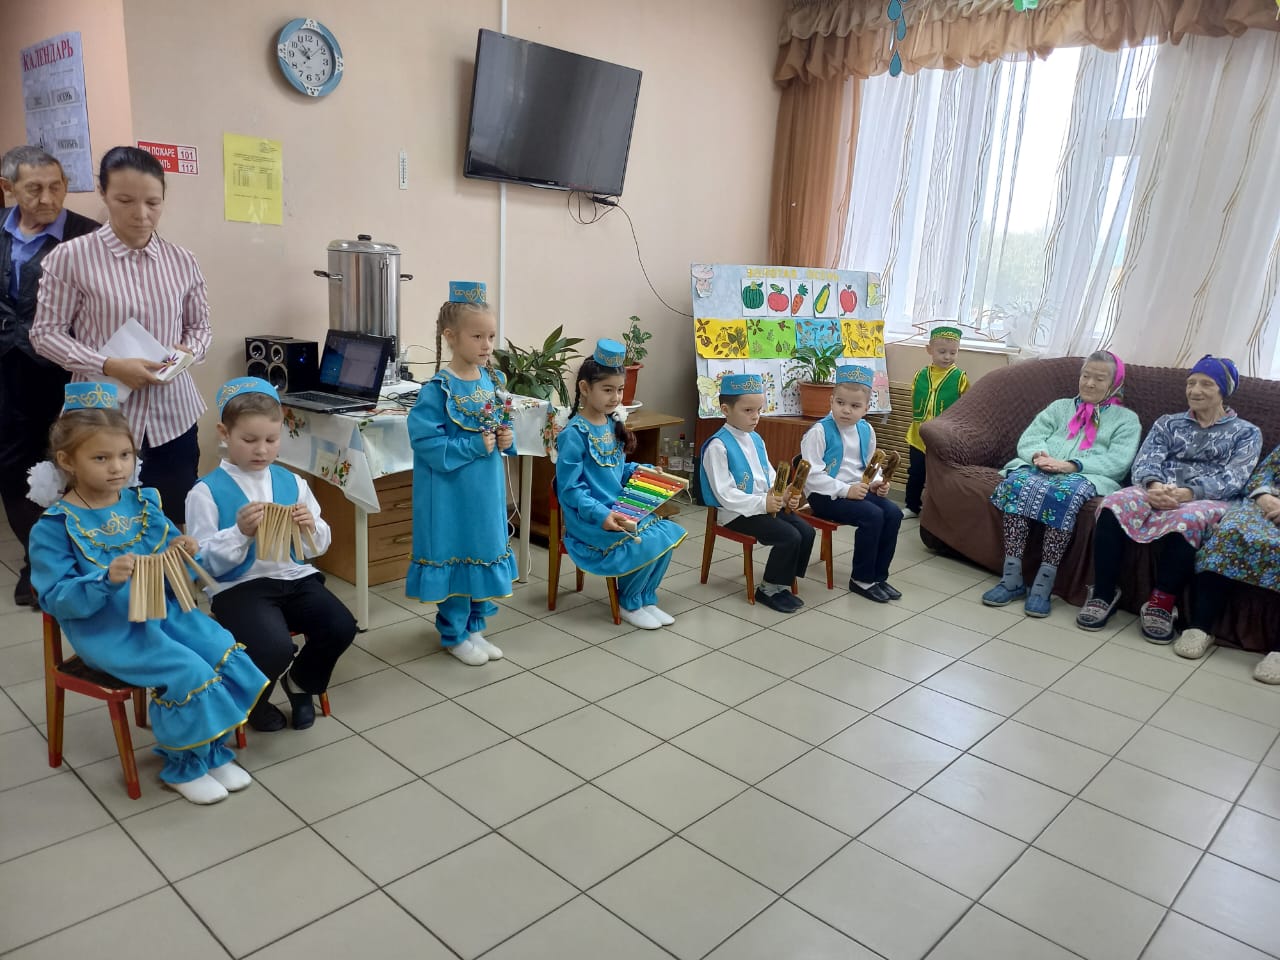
x: 820, y: 39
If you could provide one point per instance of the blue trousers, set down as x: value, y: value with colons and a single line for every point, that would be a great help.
x: 457, y: 617
x: 640, y: 587
x: 877, y: 519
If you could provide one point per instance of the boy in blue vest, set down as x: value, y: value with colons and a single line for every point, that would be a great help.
x: 261, y: 602
x: 736, y: 477
x: 839, y: 446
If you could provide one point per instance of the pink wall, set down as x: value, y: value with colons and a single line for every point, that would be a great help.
x: 697, y: 184
x: 102, y: 34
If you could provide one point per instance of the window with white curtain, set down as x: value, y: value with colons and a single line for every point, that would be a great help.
x: 1089, y: 199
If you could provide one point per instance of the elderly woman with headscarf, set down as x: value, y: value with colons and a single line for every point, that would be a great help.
x: 1075, y: 449
x: 1244, y: 547
x: 1189, y: 468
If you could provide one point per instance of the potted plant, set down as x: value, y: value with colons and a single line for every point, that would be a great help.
x: 634, y: 340
x: 539, y: 371
x: 813, y: 371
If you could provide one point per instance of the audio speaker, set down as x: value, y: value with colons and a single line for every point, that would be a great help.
x: 288, y: 364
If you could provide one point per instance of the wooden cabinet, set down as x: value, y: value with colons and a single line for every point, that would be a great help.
x: 390, y: 530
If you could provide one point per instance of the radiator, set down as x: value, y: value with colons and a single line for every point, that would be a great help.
x: 891, y: 428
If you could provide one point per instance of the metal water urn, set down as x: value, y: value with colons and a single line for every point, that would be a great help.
x: 364, y: 290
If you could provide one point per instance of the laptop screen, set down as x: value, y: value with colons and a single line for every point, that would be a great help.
x: 353, y: 364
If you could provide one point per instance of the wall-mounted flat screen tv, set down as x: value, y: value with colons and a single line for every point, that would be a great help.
x: 549, y: 118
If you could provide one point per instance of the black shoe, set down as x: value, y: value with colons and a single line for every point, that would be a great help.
x: 891, y: 592
x: 874, y: 592
x: 23, y: 595
x: 304, y: 709
x: 266, y: 717
x: 780, y: 602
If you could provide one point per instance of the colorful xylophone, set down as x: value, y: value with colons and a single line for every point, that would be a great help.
x: 647, y: 490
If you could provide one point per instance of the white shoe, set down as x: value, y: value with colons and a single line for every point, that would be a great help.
x: 469, y: 653
x: 232, y: 776
x: 1268, y: 669
x: 641, y: 618
x: 485, y: 647
x: 202, y: 790
x: 1193, y: 644
x: 664, y: 619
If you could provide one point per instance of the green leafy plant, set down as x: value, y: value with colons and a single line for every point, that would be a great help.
x: 539, y: 371
x: 814, y: 365
x: 634, y: 340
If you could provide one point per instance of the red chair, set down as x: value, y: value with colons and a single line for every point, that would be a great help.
x: 555, y: 550
x: 748, y: 542
x: 77, y: 676
x: 324, y: 697
x: 826, y: 528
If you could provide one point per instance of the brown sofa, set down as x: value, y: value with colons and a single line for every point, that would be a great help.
x: 968, y: 444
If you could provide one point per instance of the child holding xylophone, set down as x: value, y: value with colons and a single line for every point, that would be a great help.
x: 591, y: 471
x: 260, y: 597
x: 737, y: 478
x: 842, y: 492
x: 83, y: 551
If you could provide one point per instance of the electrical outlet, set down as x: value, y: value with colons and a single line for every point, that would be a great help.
x: 404, y: 170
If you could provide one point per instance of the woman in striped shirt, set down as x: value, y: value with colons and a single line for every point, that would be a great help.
x: 93, y: 284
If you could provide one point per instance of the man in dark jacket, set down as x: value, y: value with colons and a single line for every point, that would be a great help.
x: 30, y: 386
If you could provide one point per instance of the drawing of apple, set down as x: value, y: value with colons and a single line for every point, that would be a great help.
x: 778, y: 299
x: 848, y: 299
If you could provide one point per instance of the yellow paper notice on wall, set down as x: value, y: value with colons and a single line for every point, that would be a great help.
x: 721, y: 339
x: 862, y: 338
x: 253, y: 179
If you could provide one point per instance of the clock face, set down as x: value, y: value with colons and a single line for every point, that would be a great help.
x: 310, y: 57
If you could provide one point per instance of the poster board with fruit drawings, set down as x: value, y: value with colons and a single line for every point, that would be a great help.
x: 753, y: 319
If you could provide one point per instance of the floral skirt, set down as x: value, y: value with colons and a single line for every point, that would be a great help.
x: 1053, y: 499
x: 1194, y: 520
x: 1245, y: 547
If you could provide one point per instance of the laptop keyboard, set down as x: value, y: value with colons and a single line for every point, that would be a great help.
x: 315, y: 396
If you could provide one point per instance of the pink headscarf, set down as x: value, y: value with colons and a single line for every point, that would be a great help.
x: 1088, y: 415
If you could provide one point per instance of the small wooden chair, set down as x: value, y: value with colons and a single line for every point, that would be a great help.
x: 825, y: 528
x: 61, y: 675
x: 714, y: 530
x: 555, y: 550
x: 324, y: 697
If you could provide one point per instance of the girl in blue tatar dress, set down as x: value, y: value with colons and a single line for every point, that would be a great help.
x: 462, y: 557
x: 83, y: 551
x: 590, y: 472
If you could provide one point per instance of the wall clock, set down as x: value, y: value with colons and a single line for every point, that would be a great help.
x: 310, y: 57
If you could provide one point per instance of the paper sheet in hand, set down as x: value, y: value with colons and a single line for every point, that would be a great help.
x: 133, y: 340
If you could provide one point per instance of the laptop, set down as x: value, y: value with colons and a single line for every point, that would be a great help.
x: 351, y: 371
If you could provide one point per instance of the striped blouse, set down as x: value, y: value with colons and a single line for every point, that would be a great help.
x: 92, y: 285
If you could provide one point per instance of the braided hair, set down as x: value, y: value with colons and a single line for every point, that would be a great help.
x: 451, y: 315
x: 593, y: 371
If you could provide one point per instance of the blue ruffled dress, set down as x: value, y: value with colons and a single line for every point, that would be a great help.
x: 203, y: 683
x: 461, y: 547
x: 591, y: 470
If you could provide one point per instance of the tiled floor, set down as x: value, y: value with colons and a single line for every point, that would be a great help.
x: 931, y: 778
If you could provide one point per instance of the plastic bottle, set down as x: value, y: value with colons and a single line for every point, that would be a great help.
x: 691, y: 459
x: 664, y: 454
x: 675, y: 459
x: 686, y: 462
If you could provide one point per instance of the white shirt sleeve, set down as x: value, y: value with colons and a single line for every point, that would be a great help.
x: 716, y: 463
x: 813, y: 446
x: 323, y: 535
x: 220, y: 550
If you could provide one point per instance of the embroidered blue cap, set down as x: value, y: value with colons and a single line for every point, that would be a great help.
x: 741, y: 384
x: 242, y: 385
x: 855, y: 373
x: 610, y: 353
x: 467, y: 291
x: 90, y: 396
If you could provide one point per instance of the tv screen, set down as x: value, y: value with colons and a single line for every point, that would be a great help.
x: 549, y: 118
